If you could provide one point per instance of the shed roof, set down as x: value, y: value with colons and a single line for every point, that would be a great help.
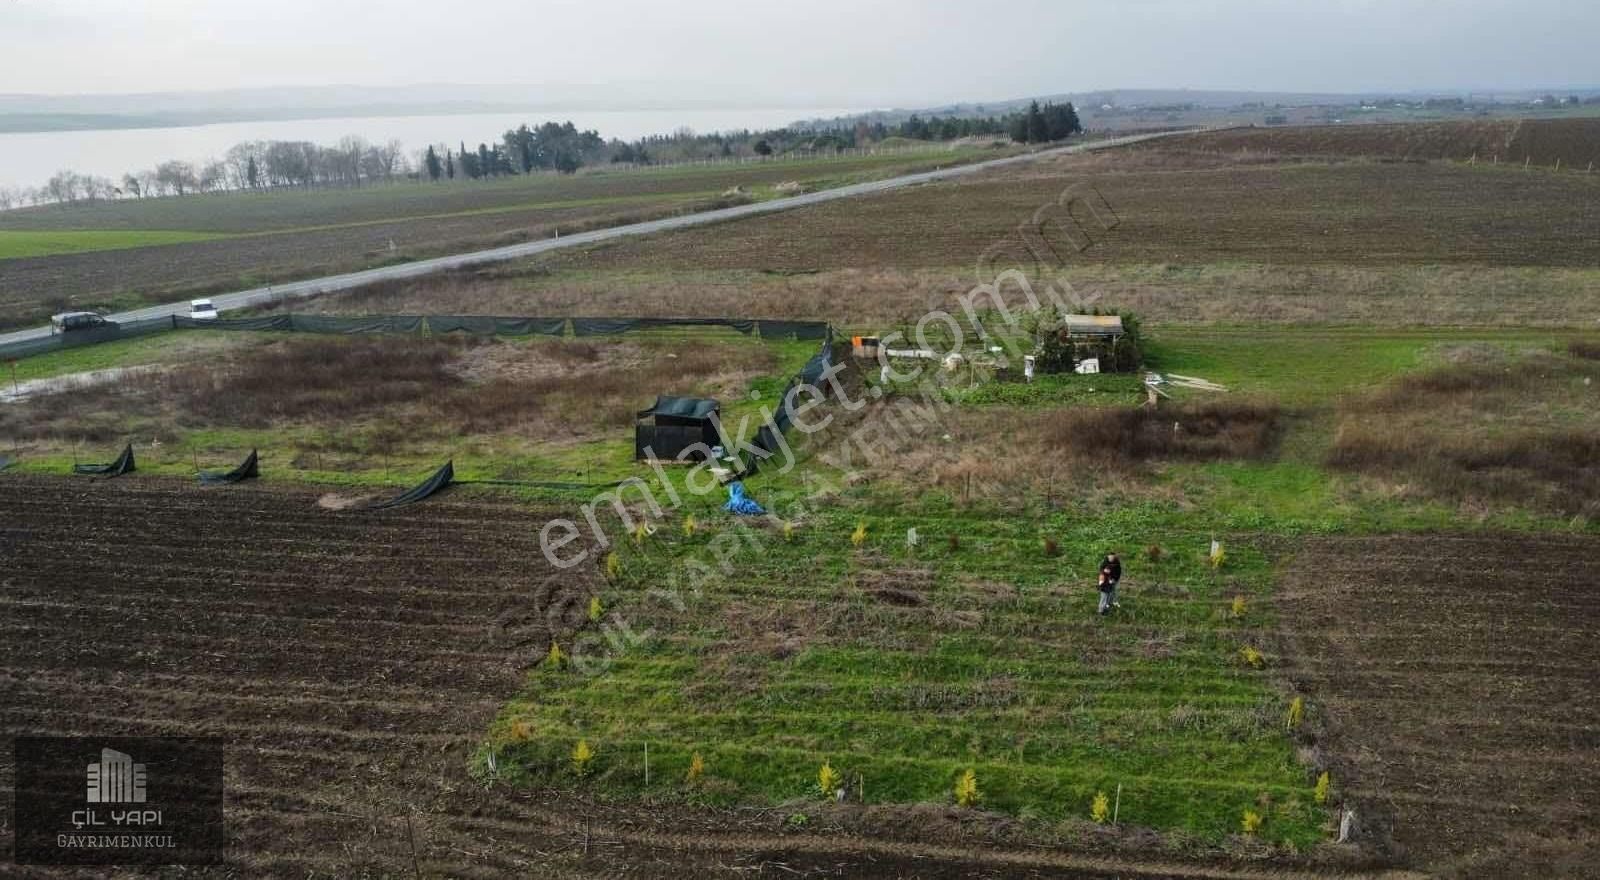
x: 681, y: 407
x: 1093, y: 325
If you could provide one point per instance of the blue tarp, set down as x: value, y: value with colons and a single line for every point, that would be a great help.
x: 740, y: 504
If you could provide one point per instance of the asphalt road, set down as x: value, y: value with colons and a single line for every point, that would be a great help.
x: 333, y: 283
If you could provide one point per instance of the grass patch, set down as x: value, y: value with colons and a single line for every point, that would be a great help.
x: 902, y: 669
x: 23, y: 243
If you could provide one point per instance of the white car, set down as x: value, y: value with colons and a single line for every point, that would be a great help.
x: 202, y: 310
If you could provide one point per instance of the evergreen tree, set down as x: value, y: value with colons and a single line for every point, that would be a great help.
x: 1038, y: 131
x: 251, y: 173
x: 449, y: 164
x: 431, y: 161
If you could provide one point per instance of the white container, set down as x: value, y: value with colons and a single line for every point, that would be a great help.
x: 1027, y: 367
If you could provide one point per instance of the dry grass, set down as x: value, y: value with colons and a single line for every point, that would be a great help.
x: 998, y: 453
x: 879, y: 298
x: 1491, y: 431
x: 407, y: 388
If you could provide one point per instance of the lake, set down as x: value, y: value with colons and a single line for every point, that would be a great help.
x: 31, y: 158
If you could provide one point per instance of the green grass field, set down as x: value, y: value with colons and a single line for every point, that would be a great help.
x: 21, y: 243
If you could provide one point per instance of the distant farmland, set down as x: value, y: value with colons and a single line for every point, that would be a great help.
x: 1574, y: 142
x: 92, y: 256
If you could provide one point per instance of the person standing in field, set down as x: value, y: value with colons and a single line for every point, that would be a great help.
x: 1110, y: 576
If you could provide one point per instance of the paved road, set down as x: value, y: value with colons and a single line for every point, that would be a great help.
x: 332, y: 283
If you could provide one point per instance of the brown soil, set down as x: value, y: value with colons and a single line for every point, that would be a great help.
x: 1455, y: 677
x: 1576, y: 142
x: 352, y: 661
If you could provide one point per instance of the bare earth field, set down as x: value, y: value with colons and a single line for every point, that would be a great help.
x: 1203, y: 238
x: 1455, y: 679
x: 1575, y: 142
x: 352, y: 660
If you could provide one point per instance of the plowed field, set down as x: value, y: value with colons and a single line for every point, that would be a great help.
x: 351, y: 660
x: 1458, y: 678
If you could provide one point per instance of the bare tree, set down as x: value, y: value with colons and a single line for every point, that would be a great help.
x: 130, y: 184
x: 213, y: 176
x: 10, y: 197
x: 177, y: 176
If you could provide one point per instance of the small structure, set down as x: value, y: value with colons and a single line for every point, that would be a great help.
x: 1080, y: 339
x: 674, y: 424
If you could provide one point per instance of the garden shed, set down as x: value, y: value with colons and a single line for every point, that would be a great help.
x: 674, y: 424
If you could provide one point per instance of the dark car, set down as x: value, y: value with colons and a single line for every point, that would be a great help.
x: 67, y: 322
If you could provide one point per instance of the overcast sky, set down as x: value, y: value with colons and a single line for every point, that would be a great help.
x: 803, y: 52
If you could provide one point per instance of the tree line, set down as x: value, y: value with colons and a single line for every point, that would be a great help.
x: 548, y: 147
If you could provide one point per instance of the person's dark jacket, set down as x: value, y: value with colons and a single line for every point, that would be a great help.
x: 1112, y: 568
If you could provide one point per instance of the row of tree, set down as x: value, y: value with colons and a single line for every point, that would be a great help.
x: 549, y: 147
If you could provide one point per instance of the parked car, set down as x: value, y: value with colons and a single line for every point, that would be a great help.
x: 67, y: 322
x: 202, y: 310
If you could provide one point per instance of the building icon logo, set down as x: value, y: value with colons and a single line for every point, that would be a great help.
x: 116, y: 779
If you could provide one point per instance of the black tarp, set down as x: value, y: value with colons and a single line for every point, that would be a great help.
x: 696, y: 408
x: 248, y: 470
x: 795, y: 329
x: 356, y: 324
x: 122, y: 465
x: 767, y: 439
x: 441, y: 478
x: 268, y: 322
x: 490, y: 325
x: 613, y: 326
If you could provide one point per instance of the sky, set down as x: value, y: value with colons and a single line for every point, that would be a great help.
x: 803, y: 52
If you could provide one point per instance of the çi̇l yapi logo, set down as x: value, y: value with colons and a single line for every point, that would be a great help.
x: 117, y: 779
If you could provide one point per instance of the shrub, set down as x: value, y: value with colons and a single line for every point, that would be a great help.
x: 1238, y: 608
x: 521, y: 731
x: 1297, y: 709
x: 582, y: 756
x: 1153, y: 553
x: 640, y: 532
x: 555, y: 658
x: 1250, y: 822
x: 613, y: 565
x: 859, y: 536
x: 955, y: 542
x: 1218, y: 556
x: 697, y: 768
x: 967, y: 788
x: 1208, y: 430
x: 1322, y: 787
x: 1588, y: 349
x: 596, y: 609
x: 688, y: 526
x: 1252, y: 657
x: 1051, y: 548
x: 828, y: 780
x: 1100, y: 808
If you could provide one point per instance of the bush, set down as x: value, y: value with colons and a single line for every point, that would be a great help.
x: 967, y: 794
x: 828, y: 780
x: 1100, y: 809
x: 1588, y: 349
